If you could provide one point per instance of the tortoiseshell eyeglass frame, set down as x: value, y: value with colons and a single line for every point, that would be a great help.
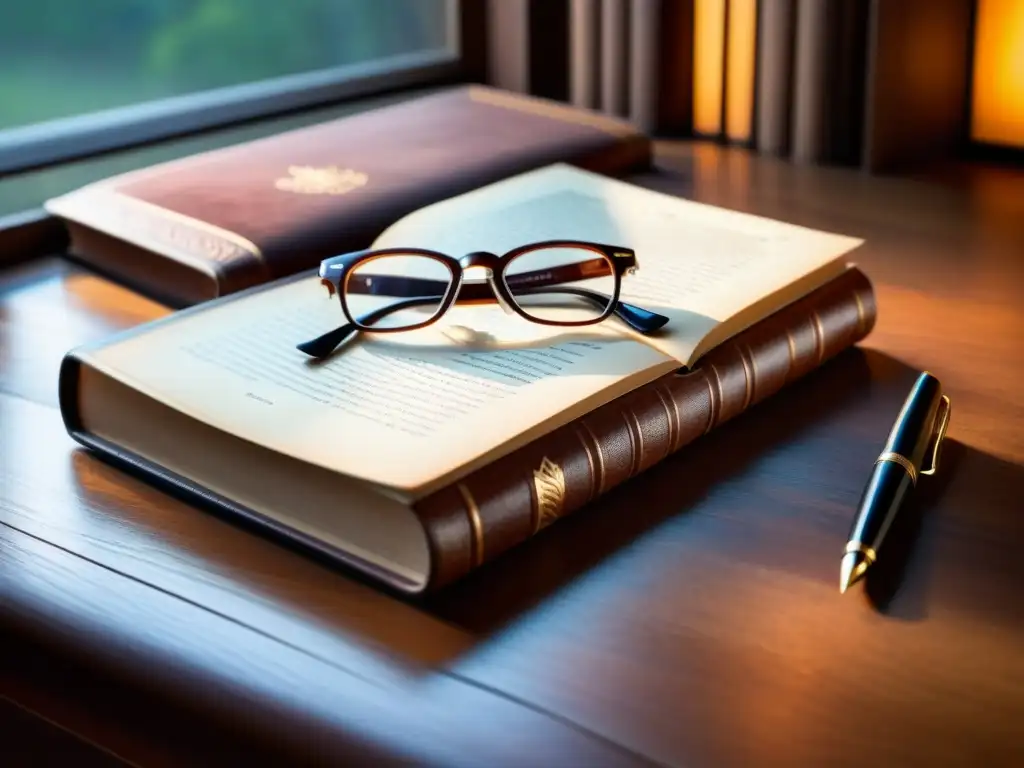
x: 337, y: 275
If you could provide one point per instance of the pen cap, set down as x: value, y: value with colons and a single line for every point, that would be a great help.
x: 915, y: 428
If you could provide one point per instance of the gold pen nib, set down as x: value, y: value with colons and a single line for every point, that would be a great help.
x: 854, y: 566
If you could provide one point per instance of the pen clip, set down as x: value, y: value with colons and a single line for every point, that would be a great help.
x: 940, y: 434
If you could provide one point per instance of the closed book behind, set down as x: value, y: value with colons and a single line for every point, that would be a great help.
x: 222, y: 221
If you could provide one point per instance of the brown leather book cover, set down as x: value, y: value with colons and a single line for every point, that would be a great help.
x: 221, y: 221
x: 515, y: 497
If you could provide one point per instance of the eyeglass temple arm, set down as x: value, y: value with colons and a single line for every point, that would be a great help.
x: 323, y: 345
x: 637, y: 318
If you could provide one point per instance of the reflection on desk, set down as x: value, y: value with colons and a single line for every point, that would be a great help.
x: 691, y: 617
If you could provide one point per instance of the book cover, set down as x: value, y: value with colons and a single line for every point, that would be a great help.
x: 215, y: 223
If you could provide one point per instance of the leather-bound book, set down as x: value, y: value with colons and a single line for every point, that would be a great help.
x: 211, y: 224
x: 416, y: 456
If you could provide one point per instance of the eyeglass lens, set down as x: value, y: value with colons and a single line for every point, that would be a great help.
x: 561, y: 284
x: 397, y: 291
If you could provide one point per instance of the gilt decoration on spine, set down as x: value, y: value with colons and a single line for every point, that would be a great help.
x: 549, y: 489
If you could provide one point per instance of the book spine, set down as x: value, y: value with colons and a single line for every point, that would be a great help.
x: 584, y: 55
x: 642, y: 57
x: 917, y: 85
x: 709, y: 39
x: 845, y: 80
x: 774, y: 76
x: 614, y: 89
x: 514, y: 498
x: 675, y: 76
x: 807, y: 124
x: 740, y: 71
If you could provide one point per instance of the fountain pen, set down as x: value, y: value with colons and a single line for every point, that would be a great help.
x: 916, y: 437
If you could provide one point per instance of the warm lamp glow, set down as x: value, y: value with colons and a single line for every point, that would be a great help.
x: 740, y: 69
x: 997, y: 109
x: 708, y: 67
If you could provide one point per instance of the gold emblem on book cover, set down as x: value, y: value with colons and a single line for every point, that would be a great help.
x: 549, y: 484
x: 308, y: 180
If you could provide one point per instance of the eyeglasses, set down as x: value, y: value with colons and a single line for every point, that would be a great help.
x: 555, y: 282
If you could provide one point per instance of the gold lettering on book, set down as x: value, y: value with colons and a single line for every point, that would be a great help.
x: 549, y: 485
x: 307, y: 180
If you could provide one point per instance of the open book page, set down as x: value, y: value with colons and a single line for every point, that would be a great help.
x: 711, y: 270
x: 405, y: 411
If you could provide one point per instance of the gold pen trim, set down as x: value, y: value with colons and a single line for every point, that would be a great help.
x: 903, y: 461
x: 856, y: 546
x: 940, y: 435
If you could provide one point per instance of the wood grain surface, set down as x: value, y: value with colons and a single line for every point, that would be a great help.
x: 691, y: 617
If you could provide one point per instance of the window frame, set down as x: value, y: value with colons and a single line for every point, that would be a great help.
x: 41, y: 145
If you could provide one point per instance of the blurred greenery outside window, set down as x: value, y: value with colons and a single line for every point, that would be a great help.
x: 60, y: 58
x: 67, y: 58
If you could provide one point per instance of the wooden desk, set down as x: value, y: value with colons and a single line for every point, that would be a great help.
x: 692, y: 617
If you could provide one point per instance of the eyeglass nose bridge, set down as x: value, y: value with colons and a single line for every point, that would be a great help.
x: 489, y: 263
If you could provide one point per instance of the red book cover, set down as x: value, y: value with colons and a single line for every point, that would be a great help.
x: 221, y: 221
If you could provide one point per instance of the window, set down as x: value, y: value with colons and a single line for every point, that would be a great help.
x: 77, y: 77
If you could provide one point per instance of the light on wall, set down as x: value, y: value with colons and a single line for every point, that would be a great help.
x: 740, y: 69
x: 997, y: 90
x: 724, y: 68
x: 708, y: 66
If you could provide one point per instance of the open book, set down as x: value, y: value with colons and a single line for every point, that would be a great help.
x: 341, y: 453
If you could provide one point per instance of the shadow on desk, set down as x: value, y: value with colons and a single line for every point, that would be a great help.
x: 959, y: 540
x: 802, y: 456
x: 957, y: 545
x: 676, y: 487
